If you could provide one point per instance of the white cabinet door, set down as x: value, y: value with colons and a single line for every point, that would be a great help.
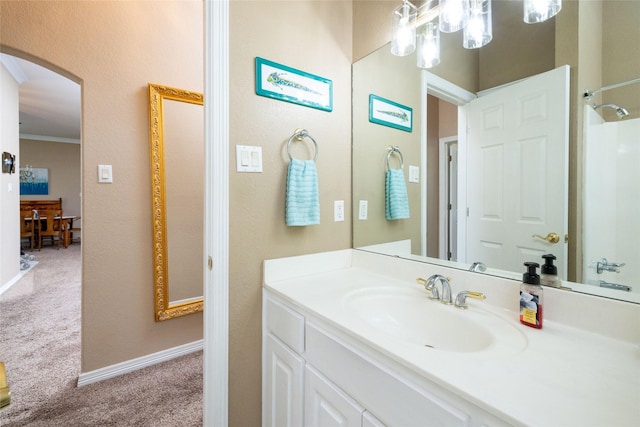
x: 328, y: 406
x: 284, y: 377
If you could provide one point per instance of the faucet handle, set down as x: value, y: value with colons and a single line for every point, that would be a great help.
x: 461, y: 298
x: 429, y: 285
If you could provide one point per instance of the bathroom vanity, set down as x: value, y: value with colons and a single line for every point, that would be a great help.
x: 350, y: 338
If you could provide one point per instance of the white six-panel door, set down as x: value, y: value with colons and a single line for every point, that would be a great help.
x: 517, y: 182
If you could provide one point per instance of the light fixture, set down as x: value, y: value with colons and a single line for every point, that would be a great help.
x: 540, y: 10
x: 454, y: 15
x: 403, y: 39
x: 478, y: 31
x: 473, y: 16
x: 428, y: 54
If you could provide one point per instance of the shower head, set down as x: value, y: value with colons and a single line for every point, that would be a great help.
x: 621, y: 112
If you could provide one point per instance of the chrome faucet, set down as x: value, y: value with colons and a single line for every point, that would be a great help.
x: 603, y: 265
x: 478, y: 266
x: 446, y: 288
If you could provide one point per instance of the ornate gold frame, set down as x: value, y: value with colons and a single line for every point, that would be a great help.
x: 162, y: 309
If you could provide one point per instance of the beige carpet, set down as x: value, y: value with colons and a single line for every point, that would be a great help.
x: 40, y: 345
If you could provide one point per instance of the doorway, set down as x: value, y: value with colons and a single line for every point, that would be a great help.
x: 49, y: 109
x: 448, y: 198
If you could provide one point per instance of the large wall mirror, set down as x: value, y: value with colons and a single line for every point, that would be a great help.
x: 607, y: 211
x: 177, y: 198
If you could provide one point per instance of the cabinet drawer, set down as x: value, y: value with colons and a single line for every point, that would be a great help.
x: 285, y: 323
x: 393, y: 400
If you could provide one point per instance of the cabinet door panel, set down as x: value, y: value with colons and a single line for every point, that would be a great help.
x: 284, y: 376
x: 368, y: 420
x: 328, y: 406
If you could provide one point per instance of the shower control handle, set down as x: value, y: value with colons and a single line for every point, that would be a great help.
x: 551, y: 237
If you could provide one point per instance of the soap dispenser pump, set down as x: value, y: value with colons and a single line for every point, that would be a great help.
x: 531, y: 297
x: 549, y: 272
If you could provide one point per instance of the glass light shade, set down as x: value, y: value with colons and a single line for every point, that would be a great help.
x: 403, y: 36
x: 453, y: 15
x: 540, y: 10
x: 428, y: 53
x: 478, y: 31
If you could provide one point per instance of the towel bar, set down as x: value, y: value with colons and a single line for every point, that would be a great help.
x: 394, y: 149
x: 299, y: 135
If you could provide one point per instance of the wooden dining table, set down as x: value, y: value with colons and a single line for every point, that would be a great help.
x: 65, y: 235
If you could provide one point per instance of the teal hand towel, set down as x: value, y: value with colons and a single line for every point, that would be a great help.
x: 302, y: 202
x: 396, y: 198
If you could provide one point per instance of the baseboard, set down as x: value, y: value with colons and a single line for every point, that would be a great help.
x: 86, y: 378
x: 4, y: 288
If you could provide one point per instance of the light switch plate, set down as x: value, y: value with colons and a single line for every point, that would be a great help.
x: 414, y: 174
x: 248, y: 158
x: 105, y: 174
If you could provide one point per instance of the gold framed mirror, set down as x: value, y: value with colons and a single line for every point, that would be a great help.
x: 176, y: 136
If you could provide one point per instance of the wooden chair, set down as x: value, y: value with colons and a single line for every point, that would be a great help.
x: 75, y: 233
x: 53, y: 227
x: 27, y: 228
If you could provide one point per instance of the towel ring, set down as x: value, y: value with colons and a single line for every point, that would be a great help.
x: 394, y: 149
x: 299, y: 135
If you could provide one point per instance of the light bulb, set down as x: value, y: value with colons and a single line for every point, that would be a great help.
x: 478, y: 31
x: 429, y: 45
x: 403, y: 39
x: 540, y: 10
x: 453, y: 15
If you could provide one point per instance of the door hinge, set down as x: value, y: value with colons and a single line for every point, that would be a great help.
x: 210, y: 263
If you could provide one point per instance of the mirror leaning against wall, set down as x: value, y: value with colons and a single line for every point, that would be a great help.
x: 601, y: 236
x: 176, y: 132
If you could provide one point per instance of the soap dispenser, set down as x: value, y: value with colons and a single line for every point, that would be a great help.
x: 531, y: 297
x: 549, y: 272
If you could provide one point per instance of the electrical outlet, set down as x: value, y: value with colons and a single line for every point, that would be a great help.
x: 338, y: 210
x: 362, y: 212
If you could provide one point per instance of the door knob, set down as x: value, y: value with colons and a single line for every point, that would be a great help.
x: 551, y: 237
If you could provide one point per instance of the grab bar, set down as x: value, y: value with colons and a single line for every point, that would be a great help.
x: 394, y: 149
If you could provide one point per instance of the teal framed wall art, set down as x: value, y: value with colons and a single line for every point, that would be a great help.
x: 284, y: 83
x: 388, y: 113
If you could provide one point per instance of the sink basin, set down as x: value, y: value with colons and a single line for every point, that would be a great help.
x: 407, y: 314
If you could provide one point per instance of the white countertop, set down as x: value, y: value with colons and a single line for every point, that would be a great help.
x: 563, y: 376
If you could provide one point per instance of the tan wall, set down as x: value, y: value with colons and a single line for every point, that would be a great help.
x: 114, y: 49
x: 312, y: 36
x: 517, y: 50
x: 448, y: 119
x: 63, y: 162
x: 621, y: 50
